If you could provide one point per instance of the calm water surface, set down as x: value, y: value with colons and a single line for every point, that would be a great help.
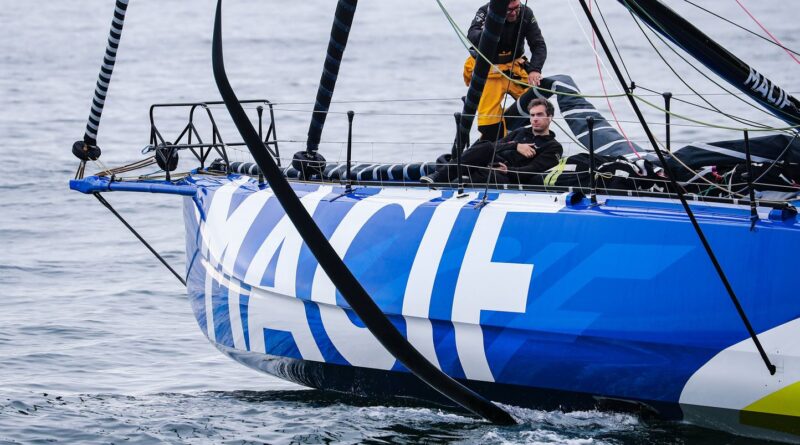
x: 97, y: 341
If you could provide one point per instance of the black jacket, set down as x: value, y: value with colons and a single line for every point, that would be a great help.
x: 511, y: 38
x: 548, y: 154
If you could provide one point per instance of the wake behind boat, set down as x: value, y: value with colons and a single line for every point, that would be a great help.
x: 584, y: 287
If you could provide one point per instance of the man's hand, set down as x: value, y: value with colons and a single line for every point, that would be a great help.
x: 526, y: 150
x: 500, y: 167
x: 535, y: 78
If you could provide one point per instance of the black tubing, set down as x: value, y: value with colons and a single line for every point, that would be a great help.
x: 340, y: 31
x: 352, y: 291
x: 139, y: 237
x: 495, y: 19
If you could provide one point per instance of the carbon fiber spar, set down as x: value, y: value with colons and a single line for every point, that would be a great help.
x: 352, y: 291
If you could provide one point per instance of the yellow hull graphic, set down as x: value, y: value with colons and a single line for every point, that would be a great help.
x: 779, y: 411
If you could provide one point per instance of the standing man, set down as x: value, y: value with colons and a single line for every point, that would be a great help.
x: 513, y: 159
x: 520, y: 27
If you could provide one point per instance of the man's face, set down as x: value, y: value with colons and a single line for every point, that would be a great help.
x: 540, y: 121
x: 512, y: 14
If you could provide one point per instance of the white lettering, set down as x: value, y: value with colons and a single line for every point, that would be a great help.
x: 763, y: 88
x: 356, y: 344
x: 785, y: 100
x: 235, y: 291
x: 753, y: 78
x: 215, y: 241
x: 279, y: 312
x: 417, y: 298
x: 772, y: 92
x: 285, y: 234
x: 508, y: 289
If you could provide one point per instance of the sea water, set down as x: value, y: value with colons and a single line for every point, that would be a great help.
x: 97, y: 341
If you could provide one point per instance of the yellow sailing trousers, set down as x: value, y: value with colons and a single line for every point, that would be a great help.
x: 490, y: 107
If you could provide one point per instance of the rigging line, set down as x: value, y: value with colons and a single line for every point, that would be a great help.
x: 722, y: 87
x: 465, y: 42
x: 702, y: 178
x: 608, y: 101
x: 328, y: 258
x: 775, y: 162
x: 520, y: 21
x: 766, y: 106
x: 775, y: 39
x: 708, y: 124
x: 570, y: 135
x: 460, y: 34
x: 699, y: 123
x: 594, y: 50
x: 694, y: 104
x: 684, y: 82
x: 613, y: 42
x: 597, y: 55
x: 368, y: 101
x: 455, y: 99
x: 741, y: 27
x: 150, y: 248
x: 689, y: 212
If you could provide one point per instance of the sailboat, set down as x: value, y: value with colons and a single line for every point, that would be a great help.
x: 355, y: 278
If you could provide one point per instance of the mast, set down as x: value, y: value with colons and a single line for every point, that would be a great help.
x: 722, y: 62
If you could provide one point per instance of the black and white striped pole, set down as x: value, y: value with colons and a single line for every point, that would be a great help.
x: 87, y: 148
x: 340, y: 31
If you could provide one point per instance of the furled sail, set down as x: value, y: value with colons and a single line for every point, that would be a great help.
x: 667, y: 22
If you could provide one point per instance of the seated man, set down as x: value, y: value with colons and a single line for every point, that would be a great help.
x: 531, y: 149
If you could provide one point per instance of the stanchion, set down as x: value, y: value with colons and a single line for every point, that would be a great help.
x: 750, y: 189
x: 348, y: 183
x: 592, y: 184
x: 667, y: 100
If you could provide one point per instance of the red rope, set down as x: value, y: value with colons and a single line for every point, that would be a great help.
x: 774, y: 39
x: 605, y: 93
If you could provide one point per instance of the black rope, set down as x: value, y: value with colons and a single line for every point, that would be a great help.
x: 80, y: 171
x: 700, y: 106
x: 716, y: 58
x: 775, y: 162
x: 613, y: 42
x: 770, y: 367
x: 741, y: 27
x: 160, y: 258
x: 356, y: 296
x: 663, y: 59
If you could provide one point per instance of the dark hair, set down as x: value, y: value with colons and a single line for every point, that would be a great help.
x: 541, y: 101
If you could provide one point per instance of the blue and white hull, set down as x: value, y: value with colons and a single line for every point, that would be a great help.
x: 531, y: 300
